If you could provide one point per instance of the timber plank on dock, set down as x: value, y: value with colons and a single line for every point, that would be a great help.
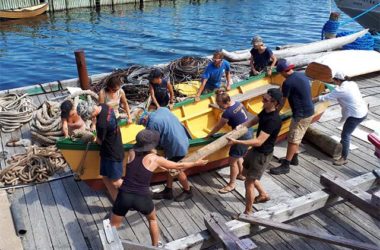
x: 65, y: 214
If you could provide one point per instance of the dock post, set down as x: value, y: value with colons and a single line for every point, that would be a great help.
x: 82, y: 69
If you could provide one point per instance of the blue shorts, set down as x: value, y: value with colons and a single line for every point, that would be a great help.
x: 111, y: 169
x: 238, y: 150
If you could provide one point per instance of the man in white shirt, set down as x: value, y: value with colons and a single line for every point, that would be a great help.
x: 354, y: 109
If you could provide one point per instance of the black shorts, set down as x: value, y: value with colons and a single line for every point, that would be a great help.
x: 126, y: 201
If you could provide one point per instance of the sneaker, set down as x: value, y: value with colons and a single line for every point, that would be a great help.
x: 341, y: 161
x: 293, y: 162
x: 185, y: 195
x: 166, y: 194
x: 282, y: 169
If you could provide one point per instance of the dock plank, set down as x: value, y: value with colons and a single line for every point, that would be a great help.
x: 66, y: 211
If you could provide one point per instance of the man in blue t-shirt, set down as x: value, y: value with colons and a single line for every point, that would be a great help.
x: 296, y: 88
x: 174, y: 140
x: 212, y: 76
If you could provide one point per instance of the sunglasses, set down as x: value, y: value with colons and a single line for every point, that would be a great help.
x: 216, y: 60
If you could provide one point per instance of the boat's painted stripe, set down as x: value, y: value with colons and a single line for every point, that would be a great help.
x: 78, y: 145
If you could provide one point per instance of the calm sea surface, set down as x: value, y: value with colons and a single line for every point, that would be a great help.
x: 42, y: 49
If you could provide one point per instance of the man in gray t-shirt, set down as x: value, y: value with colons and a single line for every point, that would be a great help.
x: 174, y: 140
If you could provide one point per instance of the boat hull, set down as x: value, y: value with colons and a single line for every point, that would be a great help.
x: 198, y: 118
x: 24, y: 12
x: 354, y: 8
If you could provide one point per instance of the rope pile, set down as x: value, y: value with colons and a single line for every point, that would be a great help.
x: 36, y: 165
x: 46, y: 127
x: 365, y: 42
x: 15, y: 110
x: 187, y: 68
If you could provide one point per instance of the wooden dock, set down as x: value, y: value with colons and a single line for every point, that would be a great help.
x: 65, y: 214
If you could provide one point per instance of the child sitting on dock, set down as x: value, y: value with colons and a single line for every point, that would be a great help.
x: 262, y: 58
x: 71, y: 121
x: 113, y: 96
x: 160, y: 90
x: 134, y: 193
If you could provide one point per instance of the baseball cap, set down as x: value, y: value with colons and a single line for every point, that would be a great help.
x: 283, y: 65
x: 146, y: 140
x: 340, y: 75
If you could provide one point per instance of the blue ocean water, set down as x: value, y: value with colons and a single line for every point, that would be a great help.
x: 42, y: 49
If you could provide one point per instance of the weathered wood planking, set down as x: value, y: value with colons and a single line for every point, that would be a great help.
x: 216, y: 226
x: 356, y: 196
x: 282, y: 212
x: 336, y: 240
x: 276, y: 193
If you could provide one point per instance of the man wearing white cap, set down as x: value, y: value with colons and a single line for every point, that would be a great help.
x: 354, y: 110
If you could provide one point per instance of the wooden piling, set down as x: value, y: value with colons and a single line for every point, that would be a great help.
x: 82, y: 69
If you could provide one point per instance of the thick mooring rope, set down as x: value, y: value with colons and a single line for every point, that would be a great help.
x: 46, y: 127
x: 15, y: 110
x: 36, y: 165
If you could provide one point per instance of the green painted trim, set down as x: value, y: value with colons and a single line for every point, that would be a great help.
x: 67, y: 144
x: 234, y: 86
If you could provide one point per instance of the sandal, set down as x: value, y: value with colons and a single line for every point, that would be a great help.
x: 261, y: 199
x: 241, y: 177
x: 226, y: 189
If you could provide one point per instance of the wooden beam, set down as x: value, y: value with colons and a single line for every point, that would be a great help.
x: 136, y: 246
x: 375, y: 199
x: 282, y: 212
x: 332, y: 239
x: 219, y: 230
x: 211, y: 147
x: 355, y: 195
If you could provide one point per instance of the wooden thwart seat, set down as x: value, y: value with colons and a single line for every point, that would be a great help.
x: 248, y: 95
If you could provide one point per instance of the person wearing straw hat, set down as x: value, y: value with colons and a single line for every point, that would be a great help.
x: 108, y: 136
x: 175, y: 143
x: 134, y: 193
x: 354, y: 110
x: 262, y: 58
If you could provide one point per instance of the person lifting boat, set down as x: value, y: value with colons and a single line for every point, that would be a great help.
x: 174, y: 140
x: 160, y: 90
x: 296, y: 88
x: 108, y: 136
x: 262, y: 58
x: 212, y: 76
x: 234, y: 114
x: 354, y: 109
x: 258, y: 157
x: 134, y: 193
x: 113, y: 95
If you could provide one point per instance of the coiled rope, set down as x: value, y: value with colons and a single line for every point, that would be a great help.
x: 36, y: 165
x: 46, y: 127
x: 365, y: 42
x: 187, y: 68
x: 15, y: 110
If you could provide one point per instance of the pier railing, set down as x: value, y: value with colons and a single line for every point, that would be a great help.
x: 57, y: 5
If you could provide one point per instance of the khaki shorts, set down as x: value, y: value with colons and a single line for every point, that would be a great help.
x: 298, y: 129
x: 255, y: 164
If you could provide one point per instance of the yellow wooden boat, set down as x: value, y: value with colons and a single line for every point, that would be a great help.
x: 24, y: 12
x: 199, y: 118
